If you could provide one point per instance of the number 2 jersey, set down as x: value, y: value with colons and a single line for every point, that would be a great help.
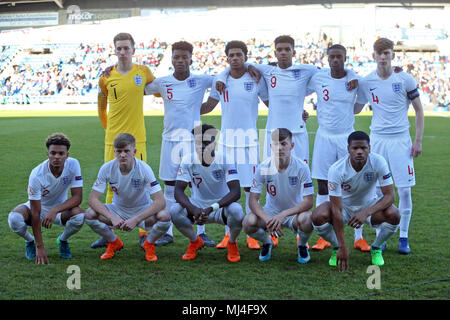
x: 52, y: 191
x: 284, y: 190
x: 357, y: 189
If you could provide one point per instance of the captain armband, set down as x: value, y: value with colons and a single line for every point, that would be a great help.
x: 413, y: 94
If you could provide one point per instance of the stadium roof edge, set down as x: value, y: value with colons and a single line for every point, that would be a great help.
x: 51, y: 5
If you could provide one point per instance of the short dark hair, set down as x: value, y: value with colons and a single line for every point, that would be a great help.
x: 337, y: 46
x: 282, y: 134
x: 236, y: 44
x: 285, y: 39
x: 358, y: 135
x: 123, y: 36
x: 124, y: 139
x: 59, y: 139
x: 183, y: 45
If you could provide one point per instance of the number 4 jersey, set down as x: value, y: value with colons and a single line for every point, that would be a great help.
x: 389, y: 99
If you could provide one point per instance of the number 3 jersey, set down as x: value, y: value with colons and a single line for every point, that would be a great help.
x: 52, y: 191
x: 284, y: 190
x: 335, y: 103
x: 130, y: 190
x: 209, y: 184
x: 358, y: 188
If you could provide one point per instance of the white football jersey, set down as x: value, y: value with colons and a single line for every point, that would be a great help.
x: 131, y: 190
x: 284, y: 190
x: 358, y: 188
x: 43, y: 185
x: 240, y: 110
x: 209, y: 184
x: 335, y: 103
x: 287, y: 92
x: 182, y: 103
x: 389, y: 101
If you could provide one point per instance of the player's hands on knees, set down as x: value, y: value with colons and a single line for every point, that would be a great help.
x: 220, y: 87
x: 41, y: 256
x: 47, y: 222
x: 196, y: 214
x: 129, y: 224
x: 207, y: 211
x: 358, y: 219
x: 254, y: 73
x: 117, y: 222
x: 274, y: 226
x: 342, y: 258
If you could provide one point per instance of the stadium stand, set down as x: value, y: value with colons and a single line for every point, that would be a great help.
x: 65, y: 72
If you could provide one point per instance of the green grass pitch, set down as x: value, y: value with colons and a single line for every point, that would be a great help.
x: 211, y: 276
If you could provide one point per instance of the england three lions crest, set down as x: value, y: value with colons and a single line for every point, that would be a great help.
x: 248, y: 86
x: 218, y: 174
x: 293, y: 181
x: 369, y: 176
x: 397, y: 87
x: 192, y: 83
x: 138, y: 80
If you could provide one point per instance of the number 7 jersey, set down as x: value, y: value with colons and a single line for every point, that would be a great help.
x: 209, y: 184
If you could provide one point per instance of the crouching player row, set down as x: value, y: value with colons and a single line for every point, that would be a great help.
x: 139, y: 201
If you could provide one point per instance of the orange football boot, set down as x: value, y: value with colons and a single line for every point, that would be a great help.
x: 233, y: 252
x: 224, y: 243
x: 362, y: 245
x: 112, y: 248
x: 321, y: 244
x: 149, y: 251
x: 193, y: 247
x: 253, y: 244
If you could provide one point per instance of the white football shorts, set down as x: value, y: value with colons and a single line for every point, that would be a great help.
x: 246, y: 160
x: 349, y: 211
x: 127, y: 213
x: 396, y: 149
x: 44, y: 211
x: 328, y: 148
x: 172, y: 152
